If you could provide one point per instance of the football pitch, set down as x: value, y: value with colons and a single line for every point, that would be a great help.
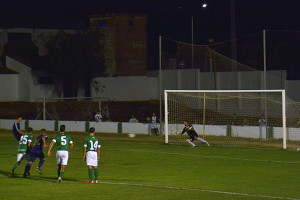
x: 143, y: 168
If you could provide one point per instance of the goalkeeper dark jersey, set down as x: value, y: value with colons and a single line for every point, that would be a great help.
x: 189, y: 129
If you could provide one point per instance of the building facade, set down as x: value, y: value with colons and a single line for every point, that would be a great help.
x: 124, y: 42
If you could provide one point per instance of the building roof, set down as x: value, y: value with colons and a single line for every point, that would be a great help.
x: 5, y: 70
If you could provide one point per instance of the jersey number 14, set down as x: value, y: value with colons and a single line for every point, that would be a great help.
x: 93, y: 145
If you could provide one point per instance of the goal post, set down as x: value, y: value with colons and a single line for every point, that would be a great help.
x: 284, y: 119
x: 231, y: 117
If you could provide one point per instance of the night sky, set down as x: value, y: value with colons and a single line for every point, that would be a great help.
x: 170, y: 18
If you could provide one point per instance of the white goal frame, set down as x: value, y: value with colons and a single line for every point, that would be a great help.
x: 227, y: 91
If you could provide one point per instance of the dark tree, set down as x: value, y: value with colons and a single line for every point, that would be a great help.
x: 74, y: 59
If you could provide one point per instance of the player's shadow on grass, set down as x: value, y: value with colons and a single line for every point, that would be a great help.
x: 52, y: 179
x: 4, y: 173
x: 36, y: 178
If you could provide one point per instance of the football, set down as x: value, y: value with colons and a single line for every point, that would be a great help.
x: 131, y: 135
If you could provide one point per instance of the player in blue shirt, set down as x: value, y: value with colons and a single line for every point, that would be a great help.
x: 16, y: 129
x: 37, y: 152
x: 189, y: 129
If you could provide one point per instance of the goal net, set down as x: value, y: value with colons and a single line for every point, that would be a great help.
x: 72, y: 108
x: 264, y: 118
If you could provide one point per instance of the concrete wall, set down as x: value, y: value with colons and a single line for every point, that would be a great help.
x: 136, y: 128
x: 24, y: 78
x: 73, y: 125
x: 245, y: 131
x: 8, y: 124
x: 105, y: 127
x: 141, y: 88
x: 28, y: 87
x: 219, y: 130
x: 293, y: 89
x: 41, y: 90
x: 39, y: 124
x: 144, y: 128
x: 134, y: 88
x: 9, y: 93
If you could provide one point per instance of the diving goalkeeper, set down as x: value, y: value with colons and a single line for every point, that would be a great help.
x: 189, y: 129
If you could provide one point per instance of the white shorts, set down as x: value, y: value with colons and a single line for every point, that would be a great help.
x: 22, y: 156
x: 154, y: 125
x: 62, y: 157
x: 92, y: 158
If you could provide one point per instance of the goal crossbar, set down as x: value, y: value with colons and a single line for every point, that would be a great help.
x: 223, y: 91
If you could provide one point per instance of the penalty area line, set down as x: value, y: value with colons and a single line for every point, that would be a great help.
x: 195, y: 189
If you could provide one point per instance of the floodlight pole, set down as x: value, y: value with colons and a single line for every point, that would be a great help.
x: 192, y: 32
x: 265, y: 77
x: 160, y: 86
x: 265, y: 59
x: 44, y: 109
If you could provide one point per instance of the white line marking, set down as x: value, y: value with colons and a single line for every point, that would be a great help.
x: 218, y: 157
x: 196, y: 189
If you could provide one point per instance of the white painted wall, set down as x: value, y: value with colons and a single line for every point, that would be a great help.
x: 28, y: 87
x: 24, y: 78
x: 277, y: 132
x: 141, y: 88
x: 136, y: 128
x: 293, y: 134
x: 246, y: 131
x: 9, y: 85
x: 141, y: 128
x: 8, y: 124
x: 39, y: 124
x: 129, y: 88
x: 41, y: 90
x: 219, y: 130
x: 213, y: 130
x: 147, y: 88
x: 105, y: 127
x: 73, y: 125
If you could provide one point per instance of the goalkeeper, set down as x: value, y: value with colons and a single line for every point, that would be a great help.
x: 189, y: 129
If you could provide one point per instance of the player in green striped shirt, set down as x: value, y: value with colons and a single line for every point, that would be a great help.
x: 24, y: 148
x: 91, y: 154
x: 64, y: 146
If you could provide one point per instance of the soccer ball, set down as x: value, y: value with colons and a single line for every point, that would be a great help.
x: 131, y: 135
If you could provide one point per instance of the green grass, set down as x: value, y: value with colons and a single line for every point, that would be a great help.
x: 141, y: 169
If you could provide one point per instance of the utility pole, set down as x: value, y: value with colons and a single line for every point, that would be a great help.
x: 192, y: 30
x: 233, y: 32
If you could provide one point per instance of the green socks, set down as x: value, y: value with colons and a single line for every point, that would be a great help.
x: 90, y: 174
x: 96, y: 173
x: 15, y: 166
x: 61, y: 174
x: 90, y: 171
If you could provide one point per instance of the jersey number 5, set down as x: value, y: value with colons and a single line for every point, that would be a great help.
x: 63, y: 140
